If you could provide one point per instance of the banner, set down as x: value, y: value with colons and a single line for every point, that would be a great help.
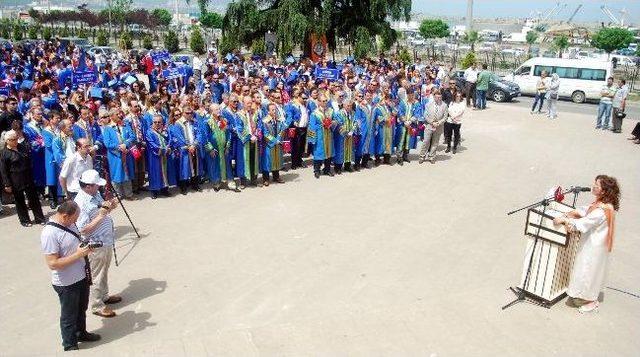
x: 174, y: 72
x: 318, y: 47
x: 160, y: 56
x: 84, y: 77
x: 327, y: 73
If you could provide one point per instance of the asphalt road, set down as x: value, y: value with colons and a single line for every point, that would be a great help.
x: 565, y: 106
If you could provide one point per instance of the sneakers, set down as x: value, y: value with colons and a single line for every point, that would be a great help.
x: 590, y: 307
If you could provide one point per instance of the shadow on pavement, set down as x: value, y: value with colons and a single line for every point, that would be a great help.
x: 140, y: 289
x: 122, y: 325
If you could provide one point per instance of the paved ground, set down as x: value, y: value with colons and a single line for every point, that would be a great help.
x: 411, y: 260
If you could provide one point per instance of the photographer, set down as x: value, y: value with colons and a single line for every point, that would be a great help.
x: 70, y: 276
x: 96, y: 225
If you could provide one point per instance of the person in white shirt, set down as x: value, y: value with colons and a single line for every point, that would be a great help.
x: 73, y: 167
x: 197, y: 68
x: 457, y: 112
x: 618, y: 104
x: 470, y: 78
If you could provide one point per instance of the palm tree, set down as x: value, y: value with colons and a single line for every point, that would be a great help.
x: 471, y: 38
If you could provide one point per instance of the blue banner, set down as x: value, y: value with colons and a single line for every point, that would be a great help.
x: 84, y: 77
x: 4, y: 91
x: 160, y: 56
x: 175, y: 72
x: 327, y: 73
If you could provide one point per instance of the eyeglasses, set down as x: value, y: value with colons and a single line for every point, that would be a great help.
x: 157, y: 122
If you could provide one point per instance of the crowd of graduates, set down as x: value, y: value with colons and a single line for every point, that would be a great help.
x: 227, y: 120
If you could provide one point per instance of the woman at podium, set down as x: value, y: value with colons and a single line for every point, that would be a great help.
x: 596, y: 225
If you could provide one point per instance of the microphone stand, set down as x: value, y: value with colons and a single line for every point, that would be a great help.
x: 521, y: 293
x: 110, y: 188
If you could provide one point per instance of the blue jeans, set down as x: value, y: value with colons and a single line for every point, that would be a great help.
x: 481, y: 99
x: 74, y: 300
x: 538, y: 99
x: 604, y: 113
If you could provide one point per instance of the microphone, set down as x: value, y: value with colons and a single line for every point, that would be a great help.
x: 581, y: 189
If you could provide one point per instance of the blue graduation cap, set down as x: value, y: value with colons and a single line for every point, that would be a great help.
x: 130, y: 80
x: 290, y: 59
x: 349, y: 59
x: 49, y: 102
x: 96, y: 92
x: 256, y: 57
x: 26, y: 84
x: 280, y: 70
x: 229, y: 57
x: 293, y: 76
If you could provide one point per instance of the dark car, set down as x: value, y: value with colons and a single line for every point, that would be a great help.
x: 500, y: 90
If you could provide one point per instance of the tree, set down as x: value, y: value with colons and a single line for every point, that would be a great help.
x: 364, y: 45
x: 33, y: 32
x: 211, y: 20
x: 531, y: 38
x: 119, y: 11
x: 471, y: 38
x: 125, y: 42
x: 295, y: 21
x: 434, y: 29
x: 171, y: 41
x: 103, y: 38
x: 147, y: 42
x: 612, y: 38
x: 46, y: 34
x: 162, y: 16
x: 405, y: 57
x: 197, y: 41
x: 468, y: 60
x: 17, y: 32
x: 561, y: 43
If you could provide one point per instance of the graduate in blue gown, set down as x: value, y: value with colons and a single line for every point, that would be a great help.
x: 158, y: 152
x: 184, y: 136
x: 273, y: 127
x: 118, y: 140
x: 217, y: 145
x: 320, y: 134
x: 33, y: 134
x: 52, y: 171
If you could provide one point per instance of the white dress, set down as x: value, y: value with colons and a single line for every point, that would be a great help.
x: 589, y: 268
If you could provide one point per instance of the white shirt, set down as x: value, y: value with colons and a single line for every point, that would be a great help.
x: 89, y: 207
x: 470, y: 75
x: 304, y: 116
x: 72, y: 169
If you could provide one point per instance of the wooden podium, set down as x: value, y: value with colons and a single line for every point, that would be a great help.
x: 551, y: 251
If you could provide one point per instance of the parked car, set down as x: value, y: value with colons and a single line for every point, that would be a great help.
x: 500, y: 90
x: 101, y: 50
x: 77, y: 41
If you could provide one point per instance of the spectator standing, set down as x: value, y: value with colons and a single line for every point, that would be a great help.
x: 96, y: 225
x: 541, y: 92
x: 70, y: 275
x: 552, y: 96
x: 470, y: 79
x: 604, y: 108
x: 457, y: 111
x: 10, y: 115
x: 17, y: 178
x: 618, y: 103
x: 482, y: 85
x: 73, y: 167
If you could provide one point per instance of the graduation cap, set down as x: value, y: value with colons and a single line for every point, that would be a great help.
x: 349, y: 59
x: 96, y: 92
x: 256, y: 57
x: 130, y: 80
x: 26, y: 84
x: 229, y: 57
x: 280, y: 70
x: 290, y: 59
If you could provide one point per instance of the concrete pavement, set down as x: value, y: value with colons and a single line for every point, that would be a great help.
x: 411, y: 260
x: 590, y: 110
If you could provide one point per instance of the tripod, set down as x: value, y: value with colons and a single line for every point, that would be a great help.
x: 521, y: 293
x: 110, y: 189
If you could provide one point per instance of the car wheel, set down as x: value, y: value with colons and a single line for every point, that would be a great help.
x: 578, y: 97
x: 499, y: 96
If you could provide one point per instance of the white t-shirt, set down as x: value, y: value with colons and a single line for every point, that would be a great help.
x: 53, y: 240
x: 72, y: 169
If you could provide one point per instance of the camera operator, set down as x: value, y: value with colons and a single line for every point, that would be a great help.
x: 96, y: 225
x: 70, y: 274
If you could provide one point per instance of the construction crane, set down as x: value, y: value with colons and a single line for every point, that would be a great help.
x: 574, y: 13
x: 614, y: 19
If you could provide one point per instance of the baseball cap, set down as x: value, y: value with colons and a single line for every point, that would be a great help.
x: 91, y: 177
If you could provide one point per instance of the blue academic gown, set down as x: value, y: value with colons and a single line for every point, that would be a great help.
x: 33, y: 134
x: 271, y: 154
x: 119, y: 171
x: 211, y: 142
x: 50, y: 168
x: 157, y: 147
x: 320, y: 137
x: 185, y: 166
x: 338, y: 137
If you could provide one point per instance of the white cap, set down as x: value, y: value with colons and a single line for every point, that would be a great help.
x: 91, y: 177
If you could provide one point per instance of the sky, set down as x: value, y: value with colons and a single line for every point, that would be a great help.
x: 590, y: 11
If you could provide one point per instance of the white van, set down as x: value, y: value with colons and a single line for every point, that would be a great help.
x: 580, y: 79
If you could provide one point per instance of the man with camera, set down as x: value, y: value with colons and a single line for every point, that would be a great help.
x: 96, y: 226
x: 70, y: 275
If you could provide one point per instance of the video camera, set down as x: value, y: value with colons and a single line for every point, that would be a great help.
x: 91, y: 245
